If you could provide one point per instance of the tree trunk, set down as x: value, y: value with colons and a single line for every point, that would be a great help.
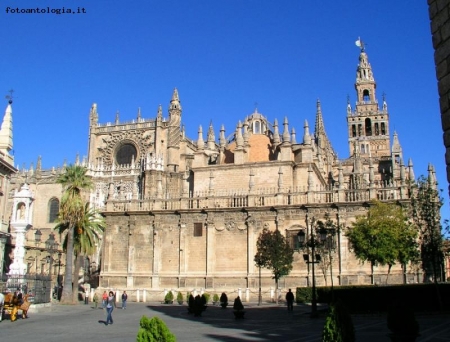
x: 389, y: 272
x: 76, y: 278
x: 371, y: 273
x: 276, y: 291
x: 66, y: 297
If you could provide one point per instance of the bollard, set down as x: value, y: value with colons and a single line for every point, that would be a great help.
x: 137, y: 295
x: 247, y: 294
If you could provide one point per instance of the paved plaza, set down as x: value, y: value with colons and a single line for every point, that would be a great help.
x: 269, y: 322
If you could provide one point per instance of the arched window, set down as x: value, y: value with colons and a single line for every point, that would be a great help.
x: 257, y: 127
x: 368, y: 125
x: 383, y: 129
x: 366, y: 95
x: 53, y: 210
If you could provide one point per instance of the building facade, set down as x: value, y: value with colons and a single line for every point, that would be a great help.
x: 185, y: 214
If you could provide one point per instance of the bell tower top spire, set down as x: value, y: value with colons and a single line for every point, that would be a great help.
x: 368, y: 126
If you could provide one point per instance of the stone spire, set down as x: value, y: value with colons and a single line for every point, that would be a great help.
x: 174, y: 136
x: 276, y: 133
x: 200, y: 141
x: 411, y: 170
x: 6, y: 134
x: 293, y: 136
x: 211, y: 138
x: 117, y: 117
x: 349, y: 106
x: 396, y: 147
x: 364, y: 71
x: 93, y: 115
x: 239, y: 137
x: 222, y: 139
x: 139, y: 114
x: 159, y: 113
x: 245, y: 134
x: 319, y: 128
x: 306, y: 135
x: 175, y: 101
x: 286, y: 135
x: 39, y: 164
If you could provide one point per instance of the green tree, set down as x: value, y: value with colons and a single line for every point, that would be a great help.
x: 383, y: 236
x: 338, y: 325
x: 154, y: 330
x: 71, y: 213
x: 86, y: 238
x: 274, y: 253
x: 426, y: 204
x: 327, y: 247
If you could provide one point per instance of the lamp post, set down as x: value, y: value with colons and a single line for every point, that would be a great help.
x: 37, y: 242
x: 311, y: 242
x: 51, y: 246
x: 59, y: 268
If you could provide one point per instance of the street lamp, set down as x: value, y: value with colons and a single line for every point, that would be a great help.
x: 51, y: 246
x: 37, y: 237
x: 59, y: 268
x: 303, y: 242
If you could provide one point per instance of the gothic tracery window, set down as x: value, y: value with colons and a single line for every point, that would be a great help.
x: 53, y: 210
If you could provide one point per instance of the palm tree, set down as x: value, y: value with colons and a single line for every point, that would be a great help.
x: 86, y: 236
x: 71, y: 213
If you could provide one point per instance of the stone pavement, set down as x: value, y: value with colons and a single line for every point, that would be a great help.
x: 269, y: 322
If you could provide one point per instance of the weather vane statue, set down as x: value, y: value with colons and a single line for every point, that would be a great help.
x: 359, y: 43
x: 10, y: 96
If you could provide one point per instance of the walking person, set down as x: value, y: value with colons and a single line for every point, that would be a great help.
x: 124, y: 300
x: 110, y: 307
x: 95, y: 299
x: 104, y: 299
x: 290, y: 300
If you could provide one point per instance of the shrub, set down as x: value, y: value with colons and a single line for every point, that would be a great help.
x: 180, y: 298
x: 154, y: 330
x: 215, y: 298
x: 168, y: 298
x: 338, y: 325
x: 191, y: 303
x: 206, y: 297
x: 223, y: 300
x: 238, y: 304
x: 401, y: 319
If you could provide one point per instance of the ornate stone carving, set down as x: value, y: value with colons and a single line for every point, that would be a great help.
x: 230, y: 225
x: 143, y: 140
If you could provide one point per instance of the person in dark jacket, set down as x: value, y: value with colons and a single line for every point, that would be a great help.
x: 124, y: 300
x: 290, y: 300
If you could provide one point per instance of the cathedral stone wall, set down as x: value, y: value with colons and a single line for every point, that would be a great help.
x: 439, y: 11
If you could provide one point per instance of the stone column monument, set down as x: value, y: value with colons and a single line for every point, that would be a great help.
x: 20, y: 222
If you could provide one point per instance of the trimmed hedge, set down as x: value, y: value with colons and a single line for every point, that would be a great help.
x: 375, y: 298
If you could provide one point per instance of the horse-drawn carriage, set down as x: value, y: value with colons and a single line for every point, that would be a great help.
x: 10, y: 304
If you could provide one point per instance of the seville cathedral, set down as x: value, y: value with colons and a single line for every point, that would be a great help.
x: 185, y: 214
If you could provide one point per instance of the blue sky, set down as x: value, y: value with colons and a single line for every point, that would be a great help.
x: 223, y: 56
